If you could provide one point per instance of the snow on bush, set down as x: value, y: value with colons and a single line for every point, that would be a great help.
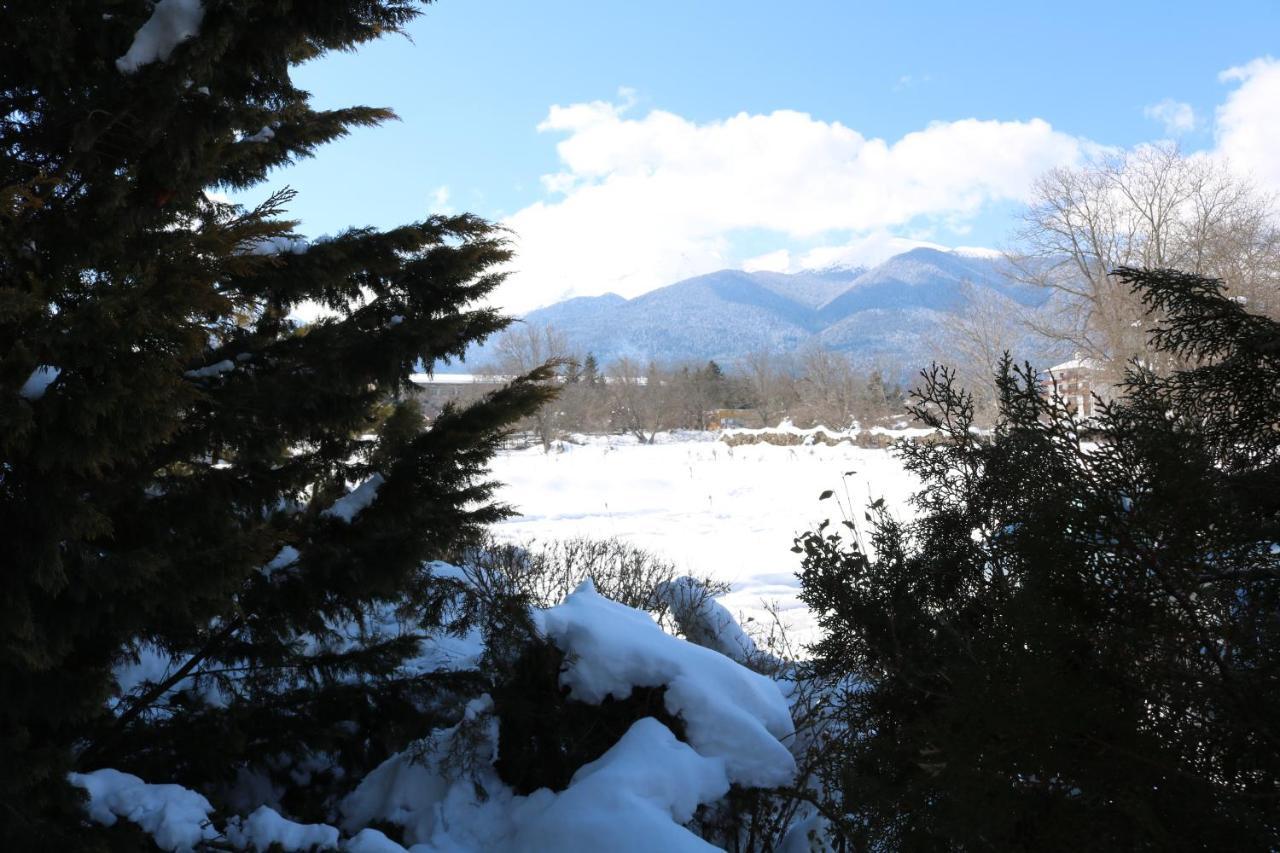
x: 266, y: 827
x: 635, y: 797
x: 729, y: 711
x: 178, y: 819
x: 444, y: 793
x: 171, y: 23
x: 705, y: 621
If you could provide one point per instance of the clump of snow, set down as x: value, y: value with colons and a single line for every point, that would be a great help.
x: 266, y: 134
x: 730, y: 712
x: 149, y: 664
x: 705, y: 621
x: 415, y: 791
x: 39, y: 381
x: 208, y: 371
x: 633, y: 798
x: 354, y: 502
x: 278, y: 245
x: 396, y: 320
x: 372, y: 841
x: 286, y: 557
x: 175, y: 817
x: 171, y: 23
x: 266, y: 827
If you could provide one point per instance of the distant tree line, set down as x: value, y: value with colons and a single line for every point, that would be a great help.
x: 814, y: 387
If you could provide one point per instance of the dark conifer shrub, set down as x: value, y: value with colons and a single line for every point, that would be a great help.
x: 1075, y: 645
x: 192, y: 431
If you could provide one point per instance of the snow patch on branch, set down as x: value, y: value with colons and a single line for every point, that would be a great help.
x: 354, y: 502
x: 266, y: 827
x: 266, y: 134
x: 175, y: 817
x: 211, y: 370
x: 278, y: 246
x: 171, y: 23
x: 286, y: 557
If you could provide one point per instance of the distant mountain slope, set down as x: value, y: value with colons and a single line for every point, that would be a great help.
x: 923, y: 278
x: 889, y: 313
x: 812, y: 289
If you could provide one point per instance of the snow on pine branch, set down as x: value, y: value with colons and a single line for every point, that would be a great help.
x: 211, y: 370
x: 171, y: 23
x: 278, y: 246
x: 354, y: 502
x: 175, y: 817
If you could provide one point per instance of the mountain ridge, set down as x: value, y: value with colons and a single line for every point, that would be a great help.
x: 891, y: 312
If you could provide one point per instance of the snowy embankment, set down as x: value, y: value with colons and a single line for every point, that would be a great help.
x: 710, y: 509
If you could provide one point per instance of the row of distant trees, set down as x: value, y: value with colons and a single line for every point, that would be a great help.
x: 812, y: 387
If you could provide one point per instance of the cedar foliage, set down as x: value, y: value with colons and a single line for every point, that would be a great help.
x: 138, y: 495
x: 1074, y: 646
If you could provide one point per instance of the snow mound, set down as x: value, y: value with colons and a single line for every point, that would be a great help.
x: 730, y: 712
x: 633, y: 798
x: 431, y: 804
x: 177, y: 818
x: 266, y: 827
x: 171, y: 23
x: 372, y: 841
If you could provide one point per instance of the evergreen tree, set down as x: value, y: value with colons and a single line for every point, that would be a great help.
x: 174, y: 445
x: 590, y: 370
x: 1076, y: 645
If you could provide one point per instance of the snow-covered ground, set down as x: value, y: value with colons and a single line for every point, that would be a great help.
x: 728, y: 512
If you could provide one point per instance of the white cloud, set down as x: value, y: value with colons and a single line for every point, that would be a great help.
x: 906, y: 81
x: 863, y: 251
x: 439, y: 202
x: 779, y: 261
x: 1248, y: 123
x: 1177, y: 117
x: 642, y: 202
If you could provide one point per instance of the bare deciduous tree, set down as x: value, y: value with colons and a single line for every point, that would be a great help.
x: 770, y: 385
x: 828, y: 388
x: 523, y: 347
x: 974, y: 338
x: 1149, y: 207
x: 635, y: 406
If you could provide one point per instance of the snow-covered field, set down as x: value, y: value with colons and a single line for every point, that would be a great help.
x: 728, y: 512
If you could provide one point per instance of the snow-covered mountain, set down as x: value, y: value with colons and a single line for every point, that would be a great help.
x: 889, y: 313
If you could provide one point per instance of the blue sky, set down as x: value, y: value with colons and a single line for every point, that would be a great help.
x: 658, y: 85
